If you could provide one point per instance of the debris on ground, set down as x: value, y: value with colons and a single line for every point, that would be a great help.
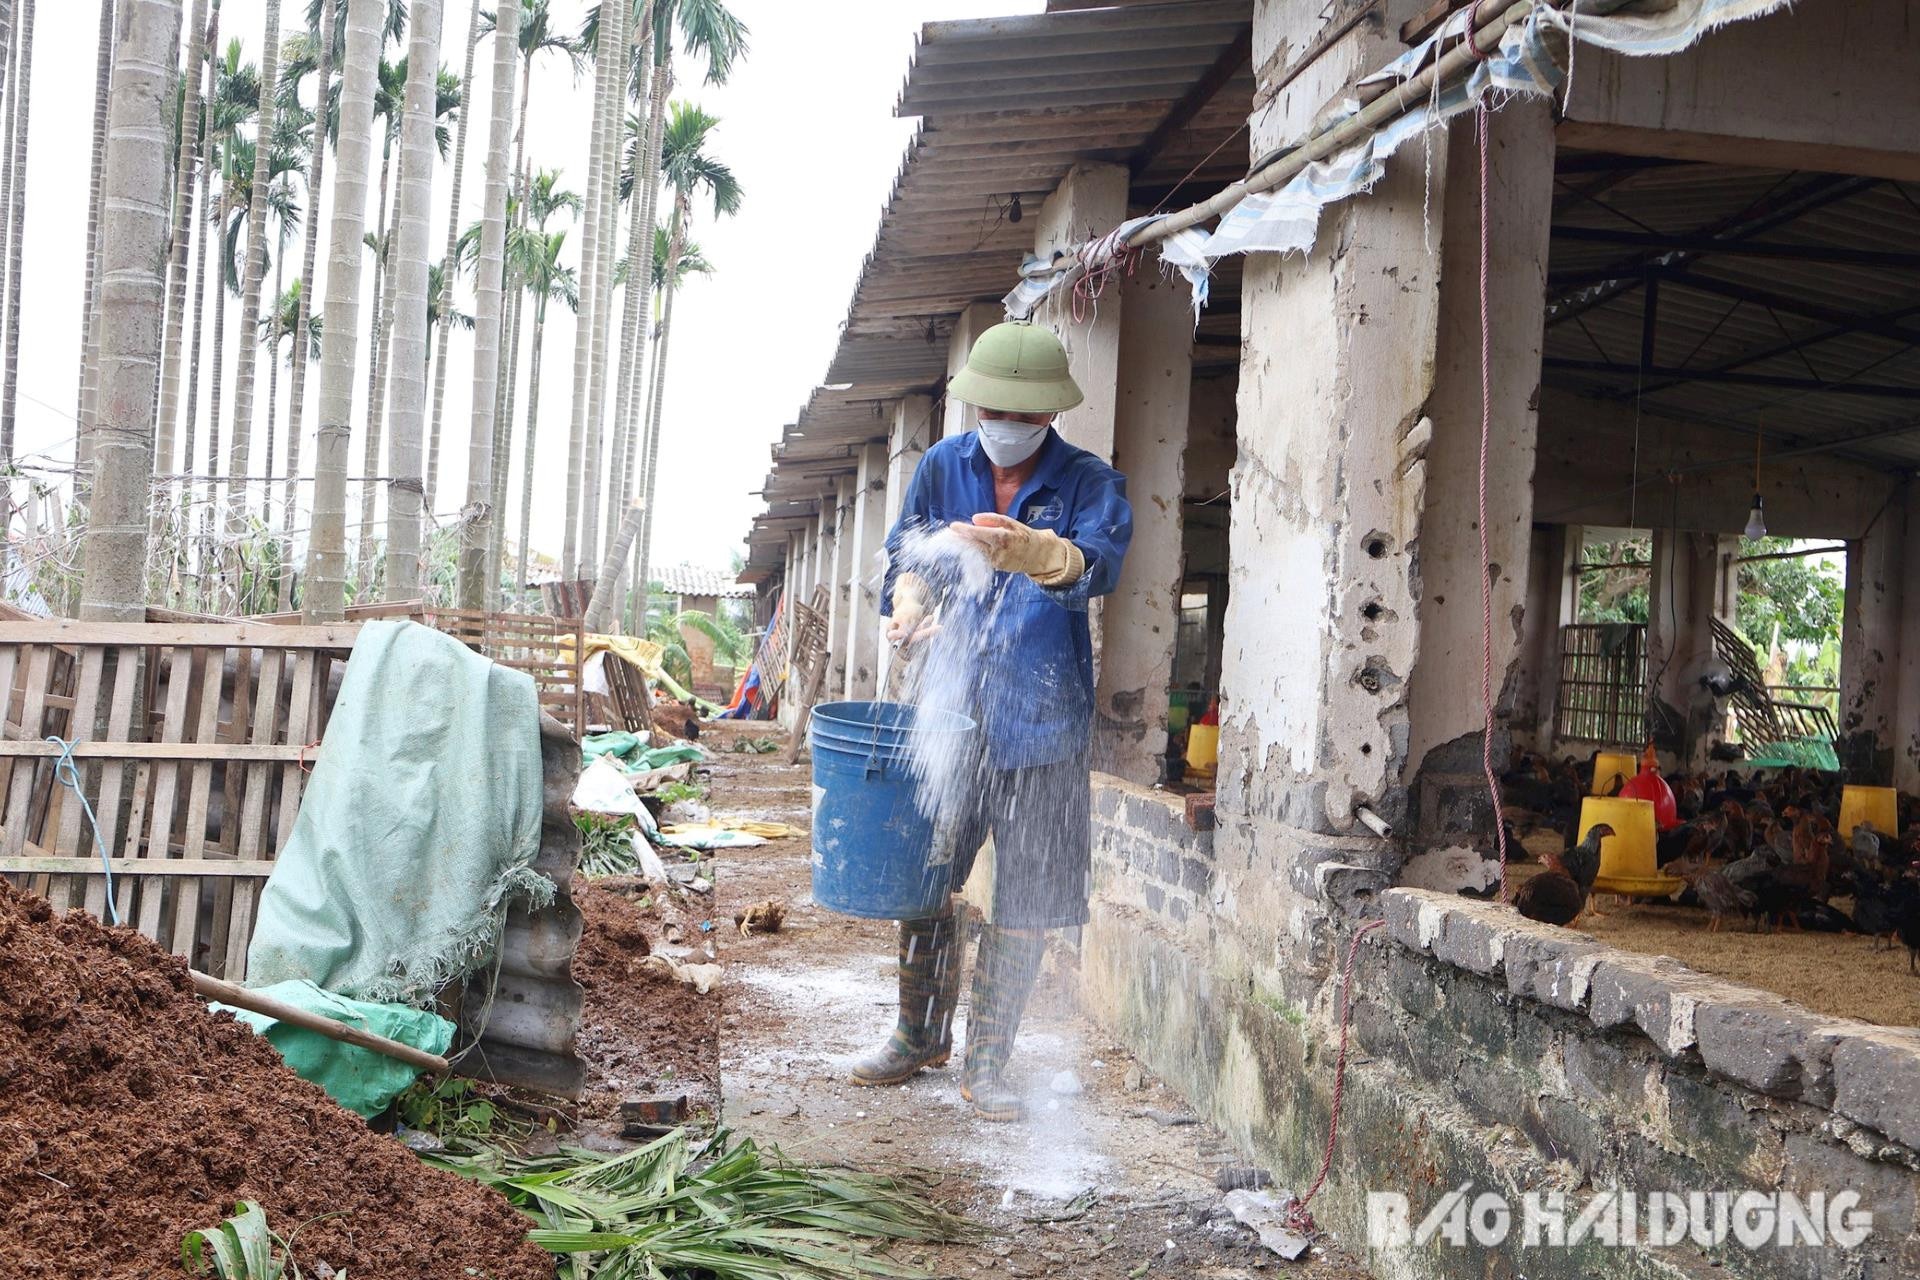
x: 641, y: 1032
x: 131, y: 1115
x: 1265, y: 1212
x: 762, y: 917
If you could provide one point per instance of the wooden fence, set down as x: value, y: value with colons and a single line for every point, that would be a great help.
x: 192, y: 741
x: 1603, y: 683
x: 548, y: 649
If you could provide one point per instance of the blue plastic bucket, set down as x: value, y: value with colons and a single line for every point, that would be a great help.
x: 871, y: 845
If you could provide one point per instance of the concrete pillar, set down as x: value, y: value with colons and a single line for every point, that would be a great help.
x: 1141, y: 619
x: 1682, y: 599
x: 865, y: 565
x: 914, y: 428
x: 1444, y: 703
x: 1906, y: 738
x: 839, y: 573
x: 1090, y: 201
x: 976, y: 319
x: 1870, y: 649
x: 1552, y: 592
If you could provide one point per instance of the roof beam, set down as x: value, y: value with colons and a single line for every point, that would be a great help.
x: 1232, y: 60
x: 1835, y: 255
x: 1876, y: 390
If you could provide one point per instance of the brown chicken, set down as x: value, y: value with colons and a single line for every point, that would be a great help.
x: 1739, y: 828
x: 1553, y: 896
x: 1721, y: 896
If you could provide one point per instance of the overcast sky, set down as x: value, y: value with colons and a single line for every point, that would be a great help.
x: 808, y: 126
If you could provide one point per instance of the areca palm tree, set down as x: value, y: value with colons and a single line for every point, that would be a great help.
x: 476, y: 534
x: 242, y: 443
x: 536, y: 258
x: 327, y: 549
x: 17, y: 222
x: 320, y: 51
x: 192, y: 129
x: 132, y: 297
x: 90, y: 292
x: 236, y: 99
x: 688, y: 171
x: 406, y: 487
x: 445, y: 297
x: 284, y: 320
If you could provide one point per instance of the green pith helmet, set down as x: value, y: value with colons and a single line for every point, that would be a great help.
x: 1017, y: 368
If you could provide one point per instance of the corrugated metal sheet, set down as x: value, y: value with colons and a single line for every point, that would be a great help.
x: 535, y: 1012
x: 1007, y: 106
x: 1748, y: 316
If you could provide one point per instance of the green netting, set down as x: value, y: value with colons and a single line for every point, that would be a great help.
x: 1799, y: 753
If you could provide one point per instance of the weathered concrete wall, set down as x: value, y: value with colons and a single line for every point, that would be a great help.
x: 1870, y: 642
x: 1584, y: 474
x: 1492, y: 1051
x: 865, y: 566
x: 1141, y: 618
x: 1906, y: 755
x: 914, y: 429
x: 976, y: 319
x: 1552, y: 588
x: 1683, y: 596
x: 1821, y: 87
x: 1090, y: 201
x: 1445, y: 710
x: 1212, y: 426
x: 839, y: 578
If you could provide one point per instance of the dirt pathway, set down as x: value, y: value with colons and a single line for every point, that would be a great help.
x: 1109, y: 1177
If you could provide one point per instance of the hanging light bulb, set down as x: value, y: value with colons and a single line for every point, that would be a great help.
x: 1756, y: 519
x: 1014, y: 211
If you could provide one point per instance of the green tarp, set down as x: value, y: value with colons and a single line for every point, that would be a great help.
x: 354, y: 1077
x: 632, y: 755
x: 417, y: 828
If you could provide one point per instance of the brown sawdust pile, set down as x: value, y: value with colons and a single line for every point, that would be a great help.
x: 130, y: 1115
x: 641, y: 1032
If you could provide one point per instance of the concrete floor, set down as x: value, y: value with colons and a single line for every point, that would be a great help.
x: 1093, y: 1184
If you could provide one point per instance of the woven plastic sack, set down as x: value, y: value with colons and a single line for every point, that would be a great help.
x: 356, y: 1078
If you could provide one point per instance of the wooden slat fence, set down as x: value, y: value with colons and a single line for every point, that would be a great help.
x: 548, y: 649
x: 191, y: 740
x: 1603, y: 683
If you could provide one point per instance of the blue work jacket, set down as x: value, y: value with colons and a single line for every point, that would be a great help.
x: 1030, y: 650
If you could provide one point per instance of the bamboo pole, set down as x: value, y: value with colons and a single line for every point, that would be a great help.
x: 255, y: 1002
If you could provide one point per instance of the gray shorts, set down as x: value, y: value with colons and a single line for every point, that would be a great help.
x: 1041, y: 822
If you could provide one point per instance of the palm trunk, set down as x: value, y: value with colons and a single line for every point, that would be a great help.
x: 132, y: 298
x: 382, y: 304
x: 191, y: 421
x: 240, y: 448
x: 11, y: 174
x: 23, y: 85
x: 191, y: 126
x: 407, y: 371
x: 90, y: 290
x: 645, y: 564
x: 476, y: 532
x: 326, y: 596
x: 503, y: 440
x: 639, y: 289
x: 222, y: 283
x: 613, y: 125
x: 527, y: 450
x: 453, y: 237
x: 600, y: 609
x: 316, y: 177
x: 273, y: 387
x: 577, y: 457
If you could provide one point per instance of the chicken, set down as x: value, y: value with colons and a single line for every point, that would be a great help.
x: 1582, y: 862
x: 1739, y: 828
x: 1553, y: 896
x: 1785, y: 891
x: 1720, y: 896
x: 1696, y: 840
x: 1908, y: 930
x: 1865, y: 847
x: 1877, y: 908
x: 1745, y: 871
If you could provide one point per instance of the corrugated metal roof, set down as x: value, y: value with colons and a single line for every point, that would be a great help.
x: 1798, y: 348
x: 690, y: 580
x: 1007, y: 106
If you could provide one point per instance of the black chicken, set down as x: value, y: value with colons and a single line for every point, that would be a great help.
x: 1553, y: 896
x: 1583, y: 860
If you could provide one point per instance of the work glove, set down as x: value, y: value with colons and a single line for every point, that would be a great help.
x: 1012, y: 547
x: 908, y: 623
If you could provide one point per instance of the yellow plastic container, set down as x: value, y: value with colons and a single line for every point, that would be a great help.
x: 1605, y: 766
x: 1628, y: 859
x: 1203, y: 747
x: 1878, y: 805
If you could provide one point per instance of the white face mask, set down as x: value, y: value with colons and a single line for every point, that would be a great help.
x: 1009, y: 443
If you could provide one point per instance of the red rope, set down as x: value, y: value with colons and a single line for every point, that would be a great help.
x: 1297, y: 1217
x: 1486, y: 555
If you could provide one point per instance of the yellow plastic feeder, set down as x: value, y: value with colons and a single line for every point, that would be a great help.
x: 1628, y: 861
x: 1606, y: 766
x: 1203, y: 747
x: 1878, y: 805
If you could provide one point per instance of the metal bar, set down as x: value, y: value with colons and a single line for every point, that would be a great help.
x: 1839, y: 549
x: 1228, y: 65
x: 1877, y: 390
x: 1834, y: 254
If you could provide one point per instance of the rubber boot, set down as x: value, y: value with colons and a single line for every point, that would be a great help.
x: 930, y: 955
x: 1003, y: 978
